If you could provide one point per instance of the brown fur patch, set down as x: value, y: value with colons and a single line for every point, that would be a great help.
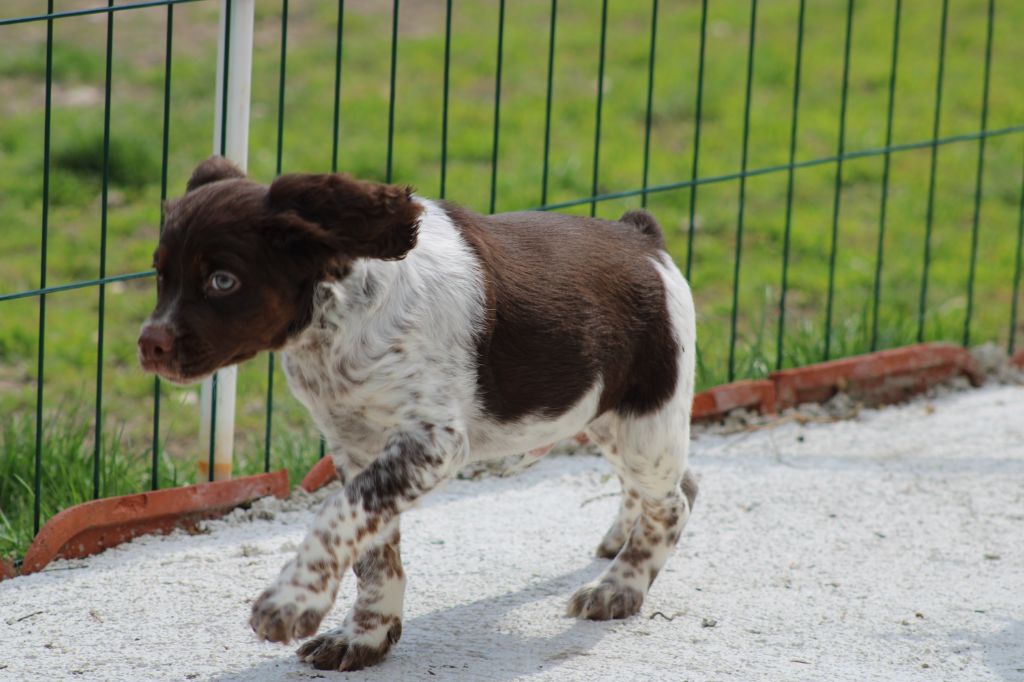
x: 568, y: 300
x: 377, y: 562
x: 633, y: 555
x: 213, y: 169
x: 394, y: 476
x: 361, y: 219
x: 278, y: 242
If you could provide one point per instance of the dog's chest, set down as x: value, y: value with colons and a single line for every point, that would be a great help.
x: 353, y: 398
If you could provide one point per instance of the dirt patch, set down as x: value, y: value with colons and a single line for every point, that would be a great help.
x: 993, y: 362
x: 268, y: 508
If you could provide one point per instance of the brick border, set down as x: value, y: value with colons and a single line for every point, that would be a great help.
x: 886, y: 376
x: 882, y: 377
x: 716, y: 402
x: 322, y: 473
x: 91, y: 527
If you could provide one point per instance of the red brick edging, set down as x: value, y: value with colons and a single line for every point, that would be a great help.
x: 874, y: 378
x: 322, y: 473
x: 716, y: 402
x: 887, y: 376
x: 90, y: 527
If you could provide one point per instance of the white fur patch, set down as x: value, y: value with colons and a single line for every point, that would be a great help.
x: 393, y: 345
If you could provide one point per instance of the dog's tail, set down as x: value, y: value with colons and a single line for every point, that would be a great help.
x: 645, y: 222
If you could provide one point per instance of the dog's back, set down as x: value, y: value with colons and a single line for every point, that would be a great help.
x: 570, y: 301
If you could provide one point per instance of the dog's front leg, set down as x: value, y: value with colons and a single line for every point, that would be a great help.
x: 374, y: 622
x: 361, y: 517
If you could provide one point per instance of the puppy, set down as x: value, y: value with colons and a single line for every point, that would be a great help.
x: 422, y: 336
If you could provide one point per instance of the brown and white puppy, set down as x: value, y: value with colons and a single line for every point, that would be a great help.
x: 422, y: 336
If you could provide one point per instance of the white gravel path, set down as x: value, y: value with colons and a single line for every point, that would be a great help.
x: 890, y: 547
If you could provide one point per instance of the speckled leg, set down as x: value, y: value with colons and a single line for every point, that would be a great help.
x: 650, y: 455
x: 360, y: 518
x: 629, y: 512
x: 374, y: 623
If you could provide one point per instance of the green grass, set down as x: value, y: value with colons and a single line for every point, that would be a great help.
x: 67, y: 471
x: 135, y: 167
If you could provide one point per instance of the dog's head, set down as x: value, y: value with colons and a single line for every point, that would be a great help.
x: 238, y: 262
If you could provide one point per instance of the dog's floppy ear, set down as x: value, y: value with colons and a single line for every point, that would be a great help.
x: 349, y: 216
x: 213, y: 169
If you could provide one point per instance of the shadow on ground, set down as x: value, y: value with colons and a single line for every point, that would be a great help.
x: 487, y: 649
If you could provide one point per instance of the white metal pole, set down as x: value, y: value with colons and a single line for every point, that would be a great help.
x: 239, y: 35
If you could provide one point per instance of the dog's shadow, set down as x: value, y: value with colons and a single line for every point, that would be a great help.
x: 471, y: 640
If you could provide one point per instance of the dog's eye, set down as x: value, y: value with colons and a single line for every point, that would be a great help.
x: 222, y: 282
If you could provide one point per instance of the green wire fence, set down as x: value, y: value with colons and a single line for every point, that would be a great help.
x: 685, y: 46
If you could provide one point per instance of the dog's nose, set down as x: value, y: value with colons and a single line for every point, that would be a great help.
x: 155, y: 343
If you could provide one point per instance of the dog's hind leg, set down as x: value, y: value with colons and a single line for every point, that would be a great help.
x: 629, y: 510
x: 659, y: 490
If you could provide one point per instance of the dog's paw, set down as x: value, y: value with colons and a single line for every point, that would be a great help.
x: 285, y: 612
x: 605, y: 599
x: 347, y: 649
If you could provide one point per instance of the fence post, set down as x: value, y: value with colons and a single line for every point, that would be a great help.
x: 230, y: 139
